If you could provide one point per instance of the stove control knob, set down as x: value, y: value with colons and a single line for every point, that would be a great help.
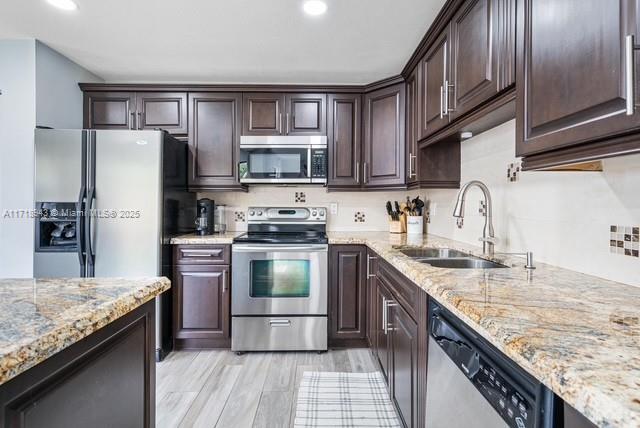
x: 252, y: 213
x: 314, y: 213
x: 259, y: 213
x: 322, y: 213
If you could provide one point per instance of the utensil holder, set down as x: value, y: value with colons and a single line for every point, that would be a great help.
x: 415, y: 225
x: 395, y: 226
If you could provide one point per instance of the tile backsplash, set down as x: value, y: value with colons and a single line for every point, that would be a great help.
x: 624, y: 240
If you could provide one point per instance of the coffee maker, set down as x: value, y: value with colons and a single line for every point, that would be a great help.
x: 204, y: 221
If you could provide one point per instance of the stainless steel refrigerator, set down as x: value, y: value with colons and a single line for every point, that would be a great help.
x: 106, y: 204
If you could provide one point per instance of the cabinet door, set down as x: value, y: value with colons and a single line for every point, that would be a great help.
x: 571, y: 78
x: 384, y: 143
x: 403, y: 332
x: 434, y: 69
x: 163, y: 110
x: 372, y: 295
x: 263, y: 114
x: 306, y: 114
x: 110, y: 110
x: 474, y: 59
x: 214, y: 139
x: 383, y: 341
x: 344, y: 140
x: 347, y: 293
x: 412, y: 128
x: 201, y: 302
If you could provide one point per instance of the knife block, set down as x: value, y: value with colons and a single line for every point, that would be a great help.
x: 395, y: 226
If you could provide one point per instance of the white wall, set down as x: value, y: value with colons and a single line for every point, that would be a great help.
x: 58, y: 97
x: 563, y: 217
x: 17, y: 121
x: 40, y: 87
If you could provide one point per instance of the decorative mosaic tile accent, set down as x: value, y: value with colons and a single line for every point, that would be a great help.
x: 513, y: 172
x: 359, y: 217
x: 625, y: 240
x: 240, y: 216
x: 301, y: 197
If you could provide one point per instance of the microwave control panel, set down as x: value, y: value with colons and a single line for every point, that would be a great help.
x: 318, y: 163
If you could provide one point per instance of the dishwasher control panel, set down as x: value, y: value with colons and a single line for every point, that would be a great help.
x: 503, y: 395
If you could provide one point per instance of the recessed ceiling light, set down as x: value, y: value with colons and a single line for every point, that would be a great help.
x: 63, y: 4
x: 315, y: 7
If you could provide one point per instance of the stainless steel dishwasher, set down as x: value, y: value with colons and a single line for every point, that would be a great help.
x: 471, y: 384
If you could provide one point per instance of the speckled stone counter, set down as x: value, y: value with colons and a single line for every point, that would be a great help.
x: 578, y: 334
x: 40, y: 317
x: 216, y: 238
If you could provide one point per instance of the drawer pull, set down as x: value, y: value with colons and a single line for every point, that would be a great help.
x: 201, y: 253
x: 280, y: 323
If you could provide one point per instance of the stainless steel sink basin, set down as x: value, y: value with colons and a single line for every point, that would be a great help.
x: 462, y: 263
x: 432, y: 253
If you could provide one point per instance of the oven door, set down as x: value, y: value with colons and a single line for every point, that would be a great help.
x: 279, y: 279
x: 275, y: 164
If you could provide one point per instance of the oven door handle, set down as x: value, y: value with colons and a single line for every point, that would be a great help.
x: 273, y: 248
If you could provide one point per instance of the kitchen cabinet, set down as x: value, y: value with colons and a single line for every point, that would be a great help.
x: 344, y: 140
x: 136, y: 110
x: 214, y: 140
x: 576, y: 100
x: 284, y: 114
x: 201, y: 303
x: 574, y: 419
x: 411, y: 116
x: 347, y: 295
x: 381, y: 349
x: 384, y: 137
x: 372, y: 291
x: 433, y: 86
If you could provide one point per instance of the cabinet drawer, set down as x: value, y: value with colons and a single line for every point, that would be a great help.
x: 202, y: 254
x: 405, y: 291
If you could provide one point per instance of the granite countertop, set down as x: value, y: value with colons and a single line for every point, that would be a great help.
x: 578, y: 334
x: 216, y: 238
x: 40, y: 317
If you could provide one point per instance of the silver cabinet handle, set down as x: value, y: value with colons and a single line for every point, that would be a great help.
x: 132, y: 125
x: 358, y: 172
x: 365, y: 173
x: 225, y: 282
x: 441, y: 102
x: 447, y: 110
x: 139, y: 120
x: 280, y: 323
x: 387, y: 326
x: 201, y: 253
x: 412, y: 172
x: 287, y: 123
x: 630, y: 72
x: 384, y: 315
x: 279, y: 123
x: 369, y: 274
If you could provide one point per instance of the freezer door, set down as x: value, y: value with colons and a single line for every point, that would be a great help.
x: 60, y: 179
x: 125, y: 229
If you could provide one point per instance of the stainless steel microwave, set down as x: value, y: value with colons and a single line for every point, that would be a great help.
x: 283, y: 159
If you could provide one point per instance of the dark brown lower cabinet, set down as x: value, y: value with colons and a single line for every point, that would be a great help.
x: 201, y: 306
x: 105, y: 380
x: 347, y: 295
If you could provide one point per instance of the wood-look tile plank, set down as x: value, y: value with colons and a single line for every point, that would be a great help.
x: 274, y: 410
x: 212, y: 398
x: 171, y: 370
x: 282, y: 372
x: 171, y: 408
x: 361, y: 360
x: 242, y: 404
x: 341, y: 361
x: 198, y: 370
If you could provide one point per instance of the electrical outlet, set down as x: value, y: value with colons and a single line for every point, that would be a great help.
x: 333, y: 207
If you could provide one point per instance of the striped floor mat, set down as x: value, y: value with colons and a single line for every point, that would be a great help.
x: 331, y: 399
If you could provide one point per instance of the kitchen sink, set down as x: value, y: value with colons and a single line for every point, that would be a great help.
x: 462, y: 263
x: 432, y: 253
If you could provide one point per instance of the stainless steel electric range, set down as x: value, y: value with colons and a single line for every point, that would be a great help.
x: 279, y: 288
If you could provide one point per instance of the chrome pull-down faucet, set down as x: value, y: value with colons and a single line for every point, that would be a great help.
x: 488, y: 238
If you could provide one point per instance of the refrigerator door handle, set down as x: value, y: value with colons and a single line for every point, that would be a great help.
x: 88, y: 231
x: 80, y: 225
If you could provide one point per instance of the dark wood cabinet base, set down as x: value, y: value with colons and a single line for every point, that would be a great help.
x: 106, y: 379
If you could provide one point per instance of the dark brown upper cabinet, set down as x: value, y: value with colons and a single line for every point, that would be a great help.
x: 347, y: 295
x: 262, y: 114
x: 474, y: 58
x: 109, y: 110
x: 384, y: 143
x: 214, y: 140
x: 163, y: 110
x: 411, y: 116
x: 433, y: 87
x: 284, y: 114
x: 576, y: 95
x: 136, y: 110
x: 344, y: 140
x: 306, y: 114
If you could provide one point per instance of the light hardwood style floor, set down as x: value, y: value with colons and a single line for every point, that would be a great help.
x: 217, y: 388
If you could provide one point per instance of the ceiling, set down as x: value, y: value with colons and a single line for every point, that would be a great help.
x: 228, y: 41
